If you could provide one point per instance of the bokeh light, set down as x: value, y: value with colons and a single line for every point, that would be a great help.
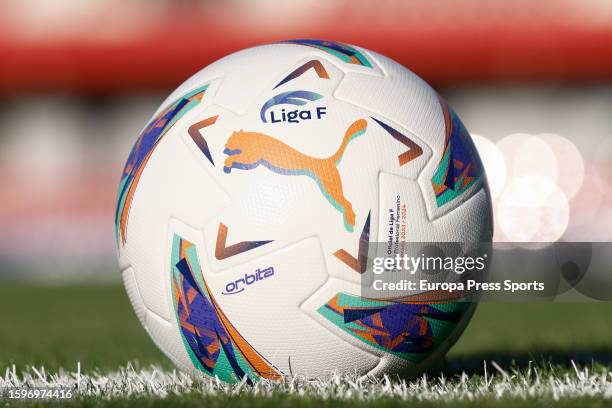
x: 494, y: 163
x: 585, y: 206
x: 510, y: 147
x: 534, y: 158
x: 533, y: 209
x: 570, y: 164
x: 603, y: 160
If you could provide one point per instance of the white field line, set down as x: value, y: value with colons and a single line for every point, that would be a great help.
x: 495, y: 383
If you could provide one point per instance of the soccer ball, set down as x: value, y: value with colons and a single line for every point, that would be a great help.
x: 247, y: 204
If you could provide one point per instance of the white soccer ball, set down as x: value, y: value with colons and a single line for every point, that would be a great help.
x: 246, y: 207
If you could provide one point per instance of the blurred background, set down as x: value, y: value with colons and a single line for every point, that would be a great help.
x: 79, y: 79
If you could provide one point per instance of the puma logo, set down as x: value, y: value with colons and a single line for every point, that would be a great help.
x: 247, y: 150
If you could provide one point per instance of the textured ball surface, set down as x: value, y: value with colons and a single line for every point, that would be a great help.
x: 247, y: 204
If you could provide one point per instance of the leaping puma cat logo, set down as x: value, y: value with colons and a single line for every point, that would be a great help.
x: 247, y: 150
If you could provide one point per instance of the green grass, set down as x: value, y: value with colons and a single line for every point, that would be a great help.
x: 525, y: 327
x: 515, y: 333
x: 58, y: 326
x: 55, y: 327
x: 198, y: 401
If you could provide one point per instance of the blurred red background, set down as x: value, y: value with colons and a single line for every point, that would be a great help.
x: 79, y: 79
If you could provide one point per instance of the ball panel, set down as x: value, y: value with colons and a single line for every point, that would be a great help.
x: 469, y: 223
x: 258, y: 303
x: 131, y: 288
x: 170, y: 186
x: 167, y: 339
